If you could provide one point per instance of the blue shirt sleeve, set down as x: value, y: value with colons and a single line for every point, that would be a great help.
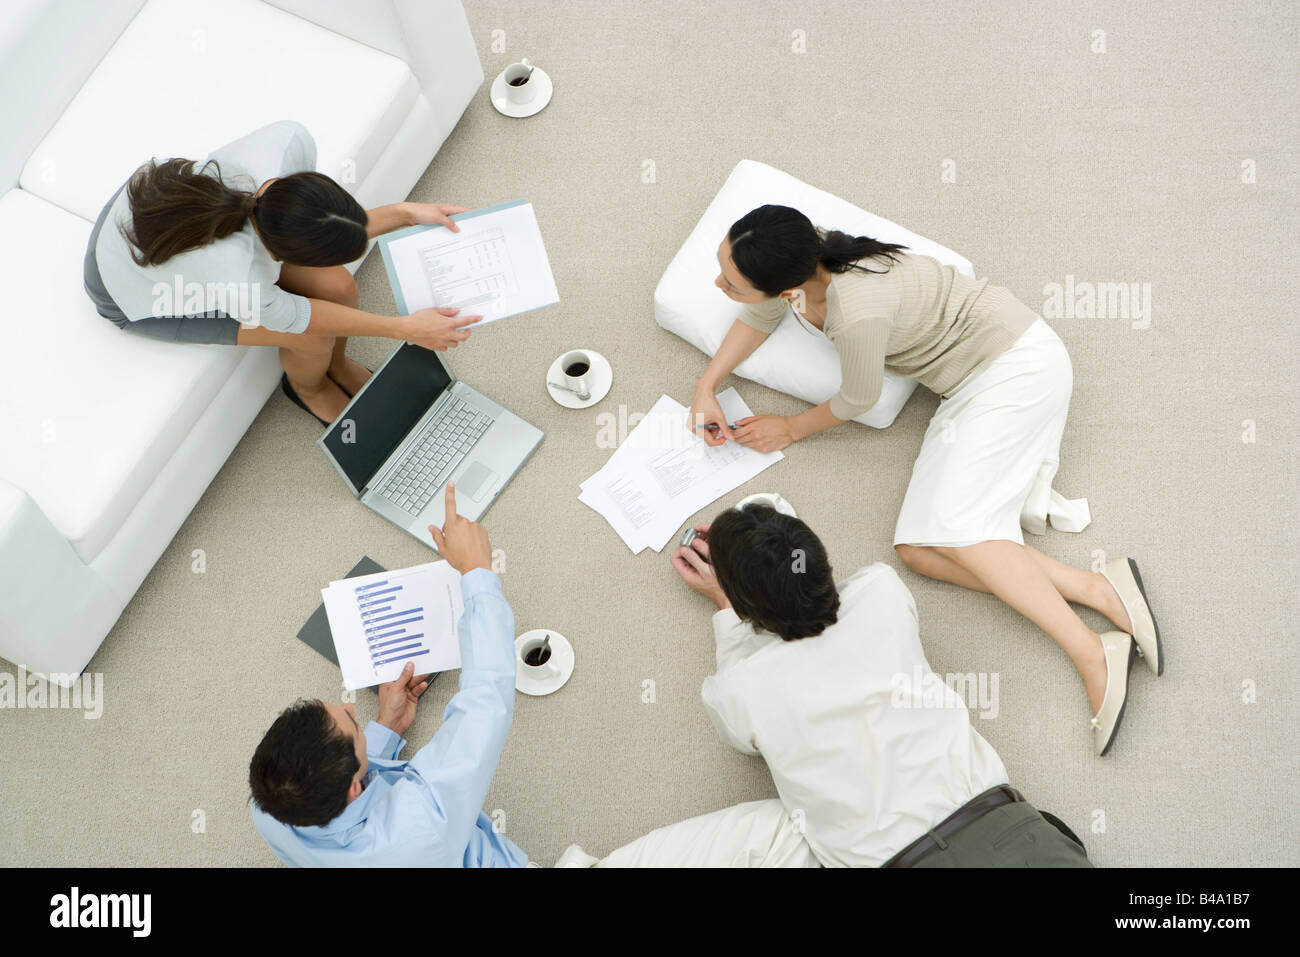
x: 383, y: 742
x: 458, y: 764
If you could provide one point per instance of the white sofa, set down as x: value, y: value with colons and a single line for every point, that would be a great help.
x: 792, y: 360
x: 108, y: 440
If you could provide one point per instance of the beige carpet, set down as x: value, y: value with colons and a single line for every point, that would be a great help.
x: 1116, y: 166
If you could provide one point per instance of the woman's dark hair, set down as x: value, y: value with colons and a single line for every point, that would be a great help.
x: 309, y: 220
x: 774, y: 571
x: 778, y: 248
x: 301, y: 772
x: 305, y: 219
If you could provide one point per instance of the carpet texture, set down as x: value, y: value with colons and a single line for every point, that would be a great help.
x: 1163, y: 152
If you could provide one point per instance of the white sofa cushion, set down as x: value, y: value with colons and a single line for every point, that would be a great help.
x: 792, y: 360
x: 89, y: 413
x: 187, y: 76
x: 43, y: 64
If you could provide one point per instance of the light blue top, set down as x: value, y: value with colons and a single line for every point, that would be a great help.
x: 234, y: 276
x: 428, y: 812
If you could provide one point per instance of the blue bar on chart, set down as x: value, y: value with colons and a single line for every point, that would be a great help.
x: 385, y: 624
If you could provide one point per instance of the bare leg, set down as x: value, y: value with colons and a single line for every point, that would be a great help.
x: 1008, y: 570
x: 1074, y: 585
x: 1084, y: 588
x: 335, y: 284
x: 305, y: 359
x: 932, y: 563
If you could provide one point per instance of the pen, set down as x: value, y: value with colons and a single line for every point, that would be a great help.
x: 712, y: 427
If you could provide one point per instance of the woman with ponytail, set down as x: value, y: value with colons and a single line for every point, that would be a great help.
x: 1005, y: 380
x: 248, y: 248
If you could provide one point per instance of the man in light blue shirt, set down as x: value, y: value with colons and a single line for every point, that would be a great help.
x: 326, y: 794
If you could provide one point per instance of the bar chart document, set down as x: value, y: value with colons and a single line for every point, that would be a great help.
x: 663, y: 474
x: 382, y: 621
x: 496, y: 266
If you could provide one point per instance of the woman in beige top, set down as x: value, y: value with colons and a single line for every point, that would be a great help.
x: 1005, y: 379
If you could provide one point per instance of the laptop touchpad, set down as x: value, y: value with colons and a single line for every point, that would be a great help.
x: 475, y: 481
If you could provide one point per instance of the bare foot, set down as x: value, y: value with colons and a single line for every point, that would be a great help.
x: 326, y: 400
x: 349, y: 374
x: 1109, y: 604
x: 1094, y: 673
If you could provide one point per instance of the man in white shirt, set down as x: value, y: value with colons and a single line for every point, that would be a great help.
x: 820, y: 679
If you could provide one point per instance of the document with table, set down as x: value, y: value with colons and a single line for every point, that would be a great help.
x: 663, y: 473
x: 496, y: 266
x: 382, y: 621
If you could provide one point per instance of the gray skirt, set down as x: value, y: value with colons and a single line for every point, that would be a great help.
x: 212, y: 328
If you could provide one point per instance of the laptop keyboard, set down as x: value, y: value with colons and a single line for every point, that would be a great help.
x: 434, y: 456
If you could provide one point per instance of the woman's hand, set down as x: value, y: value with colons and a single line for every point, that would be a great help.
x: 705, y: 410
x: 764, y: 433
x: 438, y: 329
x: 435, y: 214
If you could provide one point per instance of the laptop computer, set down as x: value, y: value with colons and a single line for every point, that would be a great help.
x: 413, y: 427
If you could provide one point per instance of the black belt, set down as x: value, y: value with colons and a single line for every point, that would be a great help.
x: 937, y: 837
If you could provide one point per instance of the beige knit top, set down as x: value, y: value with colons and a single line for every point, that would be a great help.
x: 920, y: 319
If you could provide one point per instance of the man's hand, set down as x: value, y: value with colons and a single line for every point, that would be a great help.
x: 764, y: 433
x: 463, y: 543
x: 438, y: 329
x: 397, y: 699
x: 692, y: 564
x: 435, y: 214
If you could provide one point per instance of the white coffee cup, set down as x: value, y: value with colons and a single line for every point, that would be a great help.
x: 579, y: 361
x: 547, y: 669
x: 520, y: 85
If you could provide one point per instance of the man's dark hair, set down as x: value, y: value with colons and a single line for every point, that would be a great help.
x: 774, y: 570
x: 301, y: 772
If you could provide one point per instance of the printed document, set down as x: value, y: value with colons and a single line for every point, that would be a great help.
x: 382, y: 621
x: 496, y: 266
x: 664, y: 473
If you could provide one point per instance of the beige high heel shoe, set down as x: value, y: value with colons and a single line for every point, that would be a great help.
x: 1122, y: 573
x: 1119, y: 650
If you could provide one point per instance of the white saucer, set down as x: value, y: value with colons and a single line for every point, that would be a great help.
x: 519, y: 110
x: 561, y: 657
x: 773, y: 499
x: 600, y: 377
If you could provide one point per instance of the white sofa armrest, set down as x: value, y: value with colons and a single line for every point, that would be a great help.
x: 54, y: 611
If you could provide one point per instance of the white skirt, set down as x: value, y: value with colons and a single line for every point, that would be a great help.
x: 991, y: 440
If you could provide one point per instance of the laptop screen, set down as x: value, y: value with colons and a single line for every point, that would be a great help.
x: 385, y: 410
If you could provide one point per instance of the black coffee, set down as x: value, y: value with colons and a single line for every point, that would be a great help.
x: 577, y: 369
x: 518, y: 81
x: 538, y: 656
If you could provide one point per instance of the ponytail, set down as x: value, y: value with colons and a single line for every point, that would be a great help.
x: 176, y: 208
x: 841, y: 252
x: 777, y: 248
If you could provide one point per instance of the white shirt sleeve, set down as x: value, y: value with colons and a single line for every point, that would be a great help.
x: 722, y: 700
x: 727, y: 713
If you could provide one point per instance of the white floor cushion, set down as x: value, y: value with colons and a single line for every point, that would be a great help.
x: 238, y: 64
x: 86, y: 442
x: 688, y: 304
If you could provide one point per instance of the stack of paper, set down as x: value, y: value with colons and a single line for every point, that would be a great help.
x: 663, y: 473
x: 382, y: 621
